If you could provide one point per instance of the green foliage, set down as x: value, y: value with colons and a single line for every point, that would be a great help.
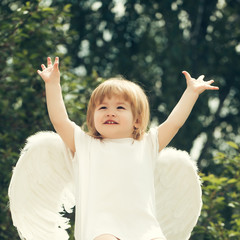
x: 146, y: 41
x: 220, y: 217
x: 28, y: 32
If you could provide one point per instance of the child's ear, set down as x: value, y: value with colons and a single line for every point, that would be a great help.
x: 137, y: 123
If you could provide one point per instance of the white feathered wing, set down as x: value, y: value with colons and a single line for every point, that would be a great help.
x: 178, y: 193
x: 41, y: 184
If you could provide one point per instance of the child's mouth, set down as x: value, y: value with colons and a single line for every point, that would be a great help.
x: 110, y: 122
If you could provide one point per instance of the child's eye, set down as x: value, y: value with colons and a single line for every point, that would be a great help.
x: 120, y: 107
x: 102, y: 107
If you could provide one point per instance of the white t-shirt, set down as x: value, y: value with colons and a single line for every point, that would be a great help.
x: 115, y: 187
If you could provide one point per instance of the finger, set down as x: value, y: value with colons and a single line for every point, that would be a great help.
x: 56, y: 59
x: 49, y: 62
x: 43, y: 66
x: 39, y: 72
x: 187, y: 75
x: 210, y: 81
x: 56, y: 62
x: 212, y: 88
x: 201, y: 77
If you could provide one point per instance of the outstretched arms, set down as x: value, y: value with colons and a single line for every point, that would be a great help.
x: 56, y: 108
x: 168, y: 129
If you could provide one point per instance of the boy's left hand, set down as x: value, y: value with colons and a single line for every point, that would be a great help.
x: 198, y: 85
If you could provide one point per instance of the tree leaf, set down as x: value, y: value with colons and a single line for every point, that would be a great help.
x: 233, y: 144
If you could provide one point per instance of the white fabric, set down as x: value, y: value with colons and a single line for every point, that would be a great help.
x: 115, y: 187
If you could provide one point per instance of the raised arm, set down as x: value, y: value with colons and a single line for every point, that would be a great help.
x: 56, y: 107
x: 168, y: 129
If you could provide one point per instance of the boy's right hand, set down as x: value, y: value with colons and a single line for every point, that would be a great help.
x: 51, y: 72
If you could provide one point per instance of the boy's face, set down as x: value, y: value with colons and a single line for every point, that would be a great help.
x: 113, y: 118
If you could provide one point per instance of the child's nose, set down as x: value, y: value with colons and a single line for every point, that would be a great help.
x: 111, y: 114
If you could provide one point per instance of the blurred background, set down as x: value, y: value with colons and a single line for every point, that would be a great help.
x: 146, y: 41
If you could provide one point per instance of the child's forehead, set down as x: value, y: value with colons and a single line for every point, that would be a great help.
x: 113, y: 99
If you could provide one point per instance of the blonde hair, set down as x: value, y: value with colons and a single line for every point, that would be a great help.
x: 130, y: 92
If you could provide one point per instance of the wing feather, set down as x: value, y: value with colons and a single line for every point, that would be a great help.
x: 41, y: 185
x: 178, y: 193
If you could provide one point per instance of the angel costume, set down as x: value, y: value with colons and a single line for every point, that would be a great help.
x: 123, y: 187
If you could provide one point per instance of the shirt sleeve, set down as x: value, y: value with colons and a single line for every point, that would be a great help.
x: 81, y: 139
x: 153, y: 138
x: 80, y: 161
x: 79, y: 135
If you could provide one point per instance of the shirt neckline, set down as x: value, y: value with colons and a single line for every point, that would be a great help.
x: 119, y: 140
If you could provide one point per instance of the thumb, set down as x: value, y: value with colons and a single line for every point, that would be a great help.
x: 187, y: 75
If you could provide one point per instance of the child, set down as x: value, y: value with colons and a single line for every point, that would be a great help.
x: 114, y: 161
